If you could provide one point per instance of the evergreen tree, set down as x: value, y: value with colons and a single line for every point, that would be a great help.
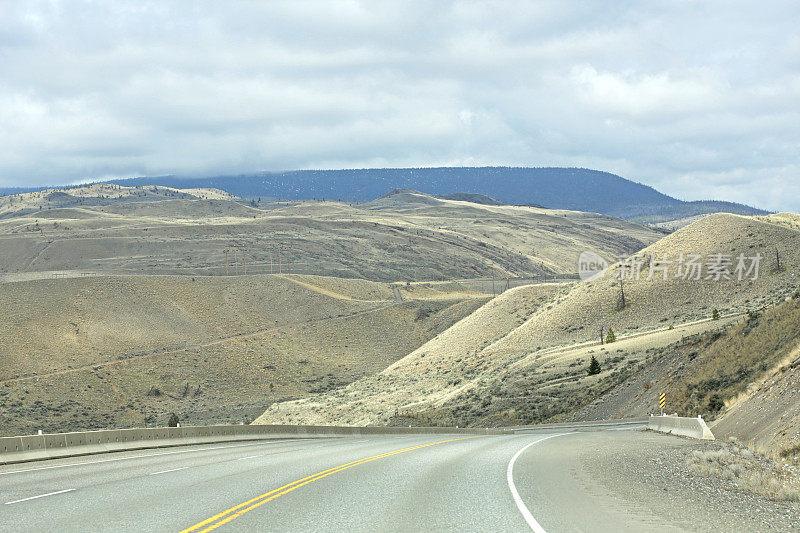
x: 594, y: 366
x: 611, y: 337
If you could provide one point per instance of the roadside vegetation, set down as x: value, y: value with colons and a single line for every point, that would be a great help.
x: 747, y: 470
x: 721, y: 366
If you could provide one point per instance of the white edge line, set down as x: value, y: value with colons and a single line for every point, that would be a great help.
x: 170, y: 470
x: 526, y: 514
x: 40, y: 496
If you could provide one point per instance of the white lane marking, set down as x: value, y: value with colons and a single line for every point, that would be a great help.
x: 40, y: 496
x: 250, y: 457
x: 526, y: 514
x: 277, y: 441
x: 170, y: 470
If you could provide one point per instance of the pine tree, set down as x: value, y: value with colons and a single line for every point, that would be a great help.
x: 611, y: 336
x: 715, y: 314
x: 594, y: 366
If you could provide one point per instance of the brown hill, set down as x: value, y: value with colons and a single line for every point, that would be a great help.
x: 121, y: 351
x: 536, y: 370
x: 743, y: 378
x: 110, y: 229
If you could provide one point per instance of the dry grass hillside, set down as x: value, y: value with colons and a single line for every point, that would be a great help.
x: 789, y: 220
x: 100, y: 194
x: 745, y: 378
x: 440, y: 364
x: 768, y: 418
x: 110, y: 229
x: 655, y: 302
x: 121, y: 351
x: 536, y: 370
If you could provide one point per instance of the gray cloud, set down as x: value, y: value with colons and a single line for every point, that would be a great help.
x: 698, y: 99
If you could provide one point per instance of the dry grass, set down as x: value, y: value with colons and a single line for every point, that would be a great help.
x: 789, y: 220
x: 727, y: 366
x: 156, y: 230
x: 122, y: 351
x: 747, y: 470
x: 522, y: 359
x: 653, y: 303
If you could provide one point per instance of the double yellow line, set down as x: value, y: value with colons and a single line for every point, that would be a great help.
x: 235, y: 512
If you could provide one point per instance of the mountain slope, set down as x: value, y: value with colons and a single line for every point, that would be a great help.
x: 125, y: 351
x: 404, y: 235
x: 536, y: 370
x: 556, y: 188
x: 743, y: 379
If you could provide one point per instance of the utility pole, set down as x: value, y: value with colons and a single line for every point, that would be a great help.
x: 601, y: 335
x: 622, y: 292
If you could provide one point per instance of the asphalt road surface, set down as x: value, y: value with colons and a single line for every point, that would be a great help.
x: 378, y: 483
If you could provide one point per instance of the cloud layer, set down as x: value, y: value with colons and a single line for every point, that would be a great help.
x: 698, y: 99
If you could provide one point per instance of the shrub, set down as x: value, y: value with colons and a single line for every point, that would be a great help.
x: 715, y: 314
x: 792, y: 451
x: 715, y: 403
x: 173, y: 420
x: 611, y: 337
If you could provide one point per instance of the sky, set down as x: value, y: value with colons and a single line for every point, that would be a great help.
x: 700, y: 100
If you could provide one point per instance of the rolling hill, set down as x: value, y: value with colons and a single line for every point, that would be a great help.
x: 405, y: 235
x: 121, y: 351
x: 535, y: 369
x: 742, y: 379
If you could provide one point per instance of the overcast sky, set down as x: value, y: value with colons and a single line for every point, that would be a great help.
x: 698, y: 99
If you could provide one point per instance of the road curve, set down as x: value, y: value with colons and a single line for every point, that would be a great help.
x: 383, y: 483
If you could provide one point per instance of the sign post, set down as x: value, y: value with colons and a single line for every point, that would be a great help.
x: 662, y: 402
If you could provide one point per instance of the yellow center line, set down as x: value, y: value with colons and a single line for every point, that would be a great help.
x: 234, y: 512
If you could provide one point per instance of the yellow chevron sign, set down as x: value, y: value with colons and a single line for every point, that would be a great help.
x: 662, y: 400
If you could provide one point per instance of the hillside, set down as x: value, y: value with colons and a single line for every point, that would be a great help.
x: 743, y: 378
x: 125, y: 351
x: 444, y: 360
x: 406, y: 235
x: 96, y: 195
x: 536, y: 370
x: 575, y: 189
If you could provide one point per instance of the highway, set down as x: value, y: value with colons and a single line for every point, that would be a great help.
x: 379, y: 483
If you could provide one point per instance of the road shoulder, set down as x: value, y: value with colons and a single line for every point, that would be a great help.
x: 647, y: 473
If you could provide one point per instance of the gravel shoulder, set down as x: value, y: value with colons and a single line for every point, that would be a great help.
x: 645, y: 476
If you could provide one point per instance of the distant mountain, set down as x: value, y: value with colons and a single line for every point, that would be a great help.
x: 558, y: 188
x: 7, y: 191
